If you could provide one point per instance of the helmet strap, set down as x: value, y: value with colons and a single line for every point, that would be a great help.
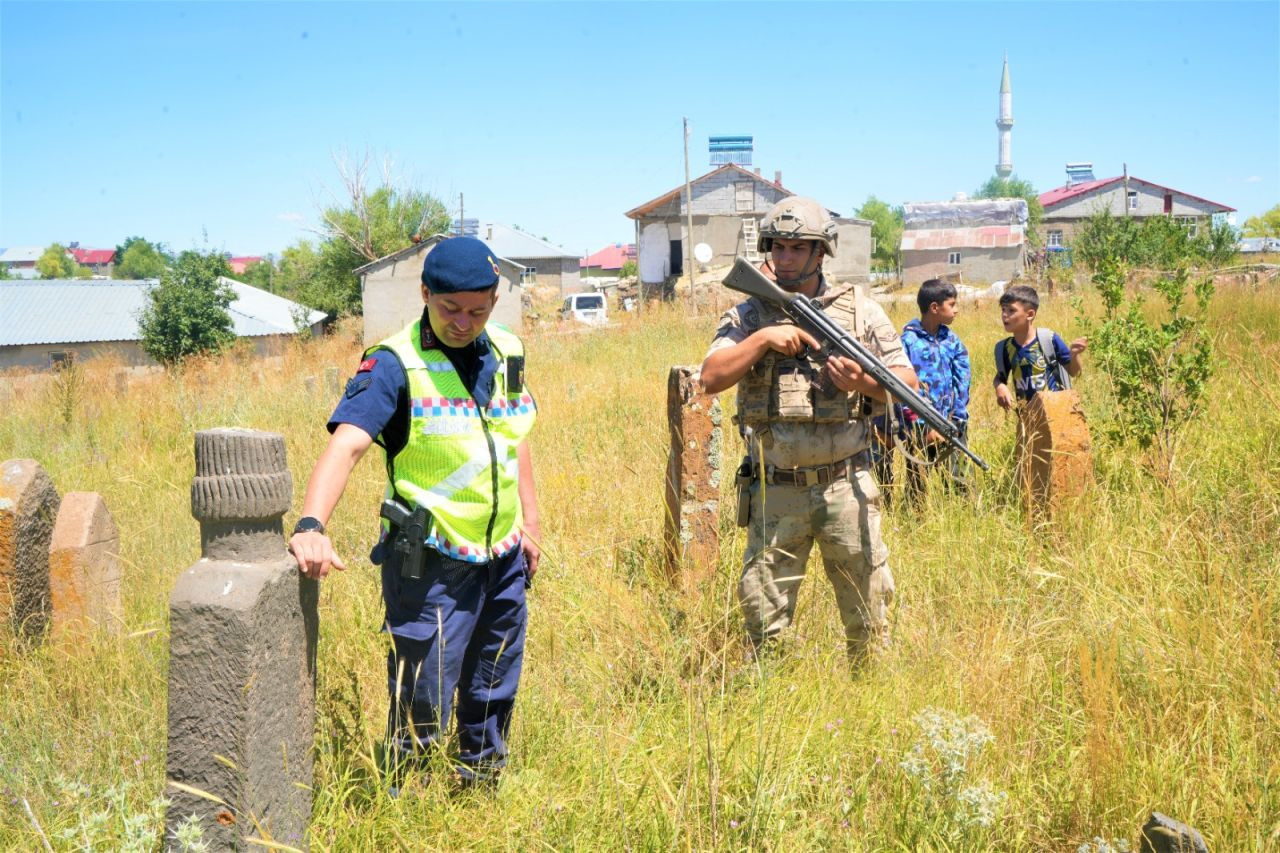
x: 815, y: 253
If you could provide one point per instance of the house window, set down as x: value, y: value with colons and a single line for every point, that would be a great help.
x: 743, y: 196
x: 1055, y: 238
x: 953, y: 258
x: 1190, y: 224
x: 59, y: 360
x: 529, y: 275
x: 1133, y: 199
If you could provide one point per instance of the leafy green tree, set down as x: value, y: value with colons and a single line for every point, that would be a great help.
x: 1266, y: 225
x: 1015, y: 187
x: 186, y: 312
x: 137, y: 258
x: 886, y: 230
x: 1154, y: 242
x: 261, y: 274
x: 56, y: 263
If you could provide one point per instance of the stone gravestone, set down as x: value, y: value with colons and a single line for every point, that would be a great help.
x: 28, y: 507
x: 242, y: 653
x: 84, y: 567
x: 1054, y: 452
x: 1163, y: 834
x: 692, y: 534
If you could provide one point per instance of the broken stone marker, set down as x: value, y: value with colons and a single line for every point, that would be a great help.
x: 84, y: 567
x: 1163, y: 834
x: 28, y: 507
x: 332, y: 383
x: 692, y: 534
x: 242, y: 653
x: 1054, y: 452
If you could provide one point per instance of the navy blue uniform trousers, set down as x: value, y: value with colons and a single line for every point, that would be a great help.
x: 461, y: 628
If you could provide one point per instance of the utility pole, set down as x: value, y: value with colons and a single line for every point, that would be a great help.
x: 688, y: 195
x: 1126, y: 190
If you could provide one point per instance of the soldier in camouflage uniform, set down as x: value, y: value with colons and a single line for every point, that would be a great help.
x: 807, y: 433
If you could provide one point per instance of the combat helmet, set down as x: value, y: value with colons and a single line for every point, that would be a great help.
x: 797, y: 218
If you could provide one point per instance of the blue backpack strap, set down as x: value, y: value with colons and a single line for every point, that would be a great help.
x: 1002, y: 357
x: 1045, y: 338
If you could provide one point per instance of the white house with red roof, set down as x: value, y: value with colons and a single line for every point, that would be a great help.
x: 98, y: 260
x: 609, y: 260
x: 1067, y: 207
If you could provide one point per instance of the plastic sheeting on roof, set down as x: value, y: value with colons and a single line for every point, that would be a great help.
x: 964, y: 214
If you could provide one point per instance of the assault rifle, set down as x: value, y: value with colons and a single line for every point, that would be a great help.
x: 745, y: 278
x: 411, y: 535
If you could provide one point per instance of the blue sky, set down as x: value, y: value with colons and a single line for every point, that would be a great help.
x: 217, y: 124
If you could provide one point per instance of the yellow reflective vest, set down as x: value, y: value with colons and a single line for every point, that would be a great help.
x: 460, y: 459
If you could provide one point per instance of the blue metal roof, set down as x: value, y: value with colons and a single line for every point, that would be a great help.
x: 59, y: 311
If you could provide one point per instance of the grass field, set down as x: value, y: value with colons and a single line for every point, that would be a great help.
x: 1041, y: 690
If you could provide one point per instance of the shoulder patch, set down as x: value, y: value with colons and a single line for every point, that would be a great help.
x: 357, y: 384
x: 367, y: 365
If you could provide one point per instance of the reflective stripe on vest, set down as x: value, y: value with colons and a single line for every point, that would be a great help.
x: 460, y: 462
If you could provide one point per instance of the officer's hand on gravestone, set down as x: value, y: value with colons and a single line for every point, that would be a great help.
x: 314, y: 553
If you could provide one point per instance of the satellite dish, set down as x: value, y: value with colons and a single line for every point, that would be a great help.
x: 702, y: 253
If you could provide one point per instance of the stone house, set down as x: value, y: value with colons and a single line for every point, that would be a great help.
x: 728, y: 204
x: 391, y: 291
x: 983, y: 240
x: 544, y: 264
x: 50, y: 321
x: 1068, y: 207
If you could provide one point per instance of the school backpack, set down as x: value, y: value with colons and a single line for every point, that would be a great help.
x: 1044, y: 337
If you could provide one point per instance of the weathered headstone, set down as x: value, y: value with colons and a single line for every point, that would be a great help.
x: 242, y: 652
x: 84, y: 567
x: 1054, y: 452
x: 1163, y: 834
x: 28, y: 507
x: 692, y: 535
x: 332, y: 383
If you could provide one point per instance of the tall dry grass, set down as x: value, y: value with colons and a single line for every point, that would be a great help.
x: 1124, y: 660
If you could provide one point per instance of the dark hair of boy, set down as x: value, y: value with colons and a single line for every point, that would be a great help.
x: 1021, y: 293
x: 934, y: 290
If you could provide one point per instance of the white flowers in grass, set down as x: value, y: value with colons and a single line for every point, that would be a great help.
x: 941, y: 764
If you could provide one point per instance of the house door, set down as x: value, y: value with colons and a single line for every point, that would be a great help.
x: 677, y: 258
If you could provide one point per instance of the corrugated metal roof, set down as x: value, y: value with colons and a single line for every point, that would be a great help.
x: 510, y: 243
x: 982, y: 237
x: 21, y: 254
x: 59, y: 311
x: 1061, y: 194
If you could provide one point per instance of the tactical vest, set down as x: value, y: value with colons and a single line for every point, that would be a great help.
x: 459, y: 461
x: 789, y: 388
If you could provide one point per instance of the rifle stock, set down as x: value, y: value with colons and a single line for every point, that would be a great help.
x: 745, y: 278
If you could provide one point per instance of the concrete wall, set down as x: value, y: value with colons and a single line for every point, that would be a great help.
x: 976, y: 265
x: 392, y: 299
x: 562, y: 273
x: 35, y: 357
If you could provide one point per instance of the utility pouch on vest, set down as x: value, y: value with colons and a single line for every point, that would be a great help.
x: 794, y: 383
x: 409, y: 530
x: 743, y: 481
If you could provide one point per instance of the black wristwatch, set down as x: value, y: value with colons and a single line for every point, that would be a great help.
x: 307, y: 523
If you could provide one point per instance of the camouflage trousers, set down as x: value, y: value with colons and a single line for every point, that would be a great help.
x: 843, y: 517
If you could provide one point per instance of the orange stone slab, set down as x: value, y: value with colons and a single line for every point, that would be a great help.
x: 1054, y: 452
x: 692, y: 533
x: 84, y: 566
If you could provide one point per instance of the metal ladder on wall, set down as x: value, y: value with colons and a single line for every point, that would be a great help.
x: 750, y: 233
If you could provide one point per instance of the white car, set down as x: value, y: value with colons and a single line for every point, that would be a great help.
x: 586, y: 308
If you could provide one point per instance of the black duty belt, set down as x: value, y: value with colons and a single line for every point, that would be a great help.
x: 818, y: 475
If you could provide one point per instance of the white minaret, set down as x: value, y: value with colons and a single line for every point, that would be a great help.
x: 1005, y: 123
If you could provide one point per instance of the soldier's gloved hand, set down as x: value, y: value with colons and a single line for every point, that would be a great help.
x: 314, y: 553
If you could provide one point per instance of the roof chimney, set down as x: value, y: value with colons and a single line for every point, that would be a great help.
x: 777, y: 177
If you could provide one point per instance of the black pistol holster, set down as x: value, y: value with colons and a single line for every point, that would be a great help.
x: 743, y: 479
x: 409, y: 534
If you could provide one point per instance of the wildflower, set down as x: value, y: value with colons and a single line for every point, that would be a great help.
x: 733, y: 824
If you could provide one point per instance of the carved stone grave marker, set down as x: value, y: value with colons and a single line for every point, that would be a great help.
x: 242, y: 653
x: 84, y: 567
x: 1054, y: 452
x: 692, y: 533
x: 28, y: 507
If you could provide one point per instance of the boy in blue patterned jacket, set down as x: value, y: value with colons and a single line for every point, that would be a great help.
x: 942, y: 363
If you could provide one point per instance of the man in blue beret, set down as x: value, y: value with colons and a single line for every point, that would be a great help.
x: 445, y: 398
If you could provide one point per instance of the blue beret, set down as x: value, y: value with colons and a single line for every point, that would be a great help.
x: 460, y: 264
